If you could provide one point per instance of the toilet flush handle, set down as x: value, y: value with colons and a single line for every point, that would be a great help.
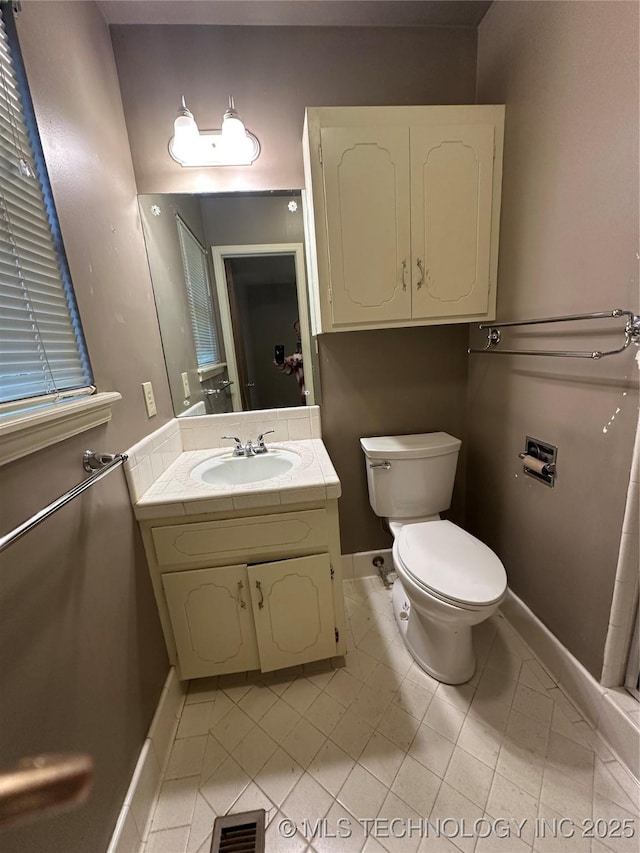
x: 386, y: 465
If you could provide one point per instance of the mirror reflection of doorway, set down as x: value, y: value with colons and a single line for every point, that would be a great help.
x: 263, y: 305
x: 264, y: 314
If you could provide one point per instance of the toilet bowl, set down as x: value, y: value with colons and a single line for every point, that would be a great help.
x: 448, y: 581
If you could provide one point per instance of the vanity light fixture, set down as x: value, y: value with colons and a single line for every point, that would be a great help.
x: 232, y: 145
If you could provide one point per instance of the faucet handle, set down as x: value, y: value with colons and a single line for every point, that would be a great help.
x: 238, y: 449
x: 262, y: 447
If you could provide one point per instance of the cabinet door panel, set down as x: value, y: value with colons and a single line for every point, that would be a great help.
x: 212, y: 622
x: 451, y: 200
x: 293, y: 610
x: 366, y: 182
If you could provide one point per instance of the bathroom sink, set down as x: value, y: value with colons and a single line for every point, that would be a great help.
x: 239, y: 470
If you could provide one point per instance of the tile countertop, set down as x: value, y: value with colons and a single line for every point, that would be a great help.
x: 175, y: 493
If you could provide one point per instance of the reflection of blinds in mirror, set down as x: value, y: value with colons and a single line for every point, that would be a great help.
x: 196, y: 276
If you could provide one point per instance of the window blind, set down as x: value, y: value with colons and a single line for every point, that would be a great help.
x: 42, y: 350
x: 196, y: 275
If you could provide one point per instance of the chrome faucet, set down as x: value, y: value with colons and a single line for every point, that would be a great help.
x: 249, y: 449
x: 261, y: 446
x: 238, y: 450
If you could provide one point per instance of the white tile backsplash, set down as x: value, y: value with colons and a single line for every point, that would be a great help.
x: 150, y: 457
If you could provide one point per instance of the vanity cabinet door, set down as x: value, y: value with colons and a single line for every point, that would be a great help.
x: 366, y: 184
x: 212, y: 620
x: 293, y: 611
x: 451, y: 209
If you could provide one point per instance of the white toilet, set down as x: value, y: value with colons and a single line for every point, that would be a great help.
x: 448, y: 580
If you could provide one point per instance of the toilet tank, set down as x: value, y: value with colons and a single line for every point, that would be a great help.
x: 418, y: 477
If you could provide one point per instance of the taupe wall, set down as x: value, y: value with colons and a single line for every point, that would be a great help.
x: 389, y: 382
x: 273, y: 74
x: 373, y: 382
x: 568, y: 74
x: 82, y: 659
x: 247, y: 219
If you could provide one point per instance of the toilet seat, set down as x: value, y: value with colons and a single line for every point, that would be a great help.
x: 450, y: 564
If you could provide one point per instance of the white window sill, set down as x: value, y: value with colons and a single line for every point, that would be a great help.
x: 207, y: 372
x: 30, y: 430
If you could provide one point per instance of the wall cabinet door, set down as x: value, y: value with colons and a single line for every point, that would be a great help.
x: 293, y: 611
x: 366, y: 187
x: 451, y: 203
x: 212, y: 620
x: 403, y: 186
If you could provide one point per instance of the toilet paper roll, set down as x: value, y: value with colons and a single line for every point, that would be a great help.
x: 533, y: 464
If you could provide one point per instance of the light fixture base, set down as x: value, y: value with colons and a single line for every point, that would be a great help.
x: 212, y: 149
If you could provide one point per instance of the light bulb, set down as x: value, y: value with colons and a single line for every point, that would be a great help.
x: 233, y: 129
x: 185, y: 131
x: 185, y: 127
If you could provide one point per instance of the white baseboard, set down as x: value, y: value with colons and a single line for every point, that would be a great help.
x: 360, y: 564
x: 132, y: 827
x: 603, y: 707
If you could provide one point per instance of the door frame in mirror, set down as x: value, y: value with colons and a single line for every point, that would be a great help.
x: 220, y: 254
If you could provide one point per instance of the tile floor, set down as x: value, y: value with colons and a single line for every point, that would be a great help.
x: 378, y: 738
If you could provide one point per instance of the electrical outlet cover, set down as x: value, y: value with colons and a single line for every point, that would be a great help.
x: 149, y: 399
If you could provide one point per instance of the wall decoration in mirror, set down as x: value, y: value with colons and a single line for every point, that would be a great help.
x: 229, y: 283
x: 232, y: 145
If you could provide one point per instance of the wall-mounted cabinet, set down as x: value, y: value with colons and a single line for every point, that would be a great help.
x: 259, y: 590
x: 404, y: 206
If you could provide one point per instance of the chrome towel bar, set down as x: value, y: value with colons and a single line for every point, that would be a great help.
x: 101, y: 463
x: 631, y: 335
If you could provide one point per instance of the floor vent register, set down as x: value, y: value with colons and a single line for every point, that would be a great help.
x: 239, y: 833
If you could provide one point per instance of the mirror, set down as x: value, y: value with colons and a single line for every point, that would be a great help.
x: 229, y: 281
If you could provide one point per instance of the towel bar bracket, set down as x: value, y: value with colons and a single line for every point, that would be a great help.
x: 93, y: 461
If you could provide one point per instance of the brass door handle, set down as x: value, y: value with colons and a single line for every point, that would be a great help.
x: 42, y: 783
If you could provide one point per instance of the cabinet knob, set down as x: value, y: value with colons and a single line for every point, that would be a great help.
x: 421, y: 268
x: 261, y: 602
x: 404, y: 275
x: 240, y: 601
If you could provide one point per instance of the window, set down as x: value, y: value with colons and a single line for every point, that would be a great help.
x: 196, y: 275
x: 43, y: 356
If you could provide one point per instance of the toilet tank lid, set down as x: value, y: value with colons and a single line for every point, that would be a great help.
x: 410, y: 446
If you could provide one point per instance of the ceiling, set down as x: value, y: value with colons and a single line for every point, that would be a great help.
x: 344, y: 13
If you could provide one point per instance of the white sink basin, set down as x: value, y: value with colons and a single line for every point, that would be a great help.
x: 239, y: 470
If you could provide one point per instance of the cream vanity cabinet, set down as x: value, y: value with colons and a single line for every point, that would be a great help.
x: 404, y: 205
x: 261, y: 590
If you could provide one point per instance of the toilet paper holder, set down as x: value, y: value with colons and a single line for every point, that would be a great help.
x: 539, y: 461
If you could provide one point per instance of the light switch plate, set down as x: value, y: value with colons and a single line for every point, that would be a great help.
x: 185, y: 384
x: 149, y: 399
